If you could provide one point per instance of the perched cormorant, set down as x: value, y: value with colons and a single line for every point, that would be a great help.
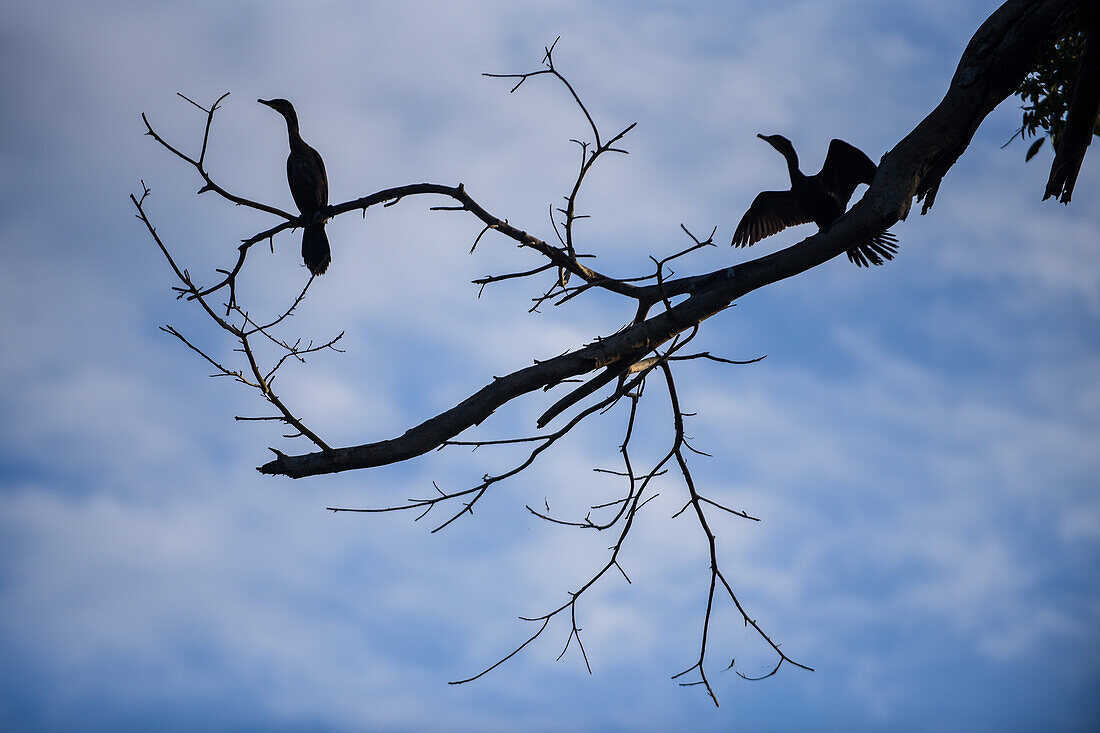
x: 305, y: 171
x: 821, y: 199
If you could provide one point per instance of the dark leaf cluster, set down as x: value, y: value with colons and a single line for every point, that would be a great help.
x: 1048, y: 90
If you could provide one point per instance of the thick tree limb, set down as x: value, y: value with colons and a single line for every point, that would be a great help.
x: 997, y: 58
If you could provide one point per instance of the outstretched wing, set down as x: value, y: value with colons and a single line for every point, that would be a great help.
x: 771, y: 212
x: 875, y: 251
x: 846, y: 166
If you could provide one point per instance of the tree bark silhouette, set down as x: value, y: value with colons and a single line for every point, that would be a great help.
x: 999, y: 55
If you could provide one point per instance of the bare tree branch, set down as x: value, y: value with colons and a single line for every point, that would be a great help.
x: 615, y: 367
x: 992, y: 66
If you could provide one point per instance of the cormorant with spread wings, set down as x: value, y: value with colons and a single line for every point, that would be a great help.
x: 820, y: 199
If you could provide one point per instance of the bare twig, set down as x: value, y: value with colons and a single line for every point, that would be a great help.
x: 716, y: 574
x: 260, y: 380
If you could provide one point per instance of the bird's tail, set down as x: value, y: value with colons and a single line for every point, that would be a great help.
x: 315, y: 249
x: 876, y: 251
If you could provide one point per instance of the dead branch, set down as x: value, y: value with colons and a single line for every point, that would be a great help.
x: 991, y: 68
x: 998, y: 56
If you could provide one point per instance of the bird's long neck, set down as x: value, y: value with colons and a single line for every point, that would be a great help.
x: 292, y: 130
x: 792, y: 163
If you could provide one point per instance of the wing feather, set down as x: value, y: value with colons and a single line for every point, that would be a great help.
x: 846, y: 166
x: 876, y: 251
x: 771, y: 212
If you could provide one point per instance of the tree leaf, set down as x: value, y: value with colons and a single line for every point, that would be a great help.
x: 1034, y: 149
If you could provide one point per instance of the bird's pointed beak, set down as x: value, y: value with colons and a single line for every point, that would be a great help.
x: 266, y: 102
x: 772, y: 140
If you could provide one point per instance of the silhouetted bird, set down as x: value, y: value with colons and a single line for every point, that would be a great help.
x: 821, y: 199
x: 305, y: 171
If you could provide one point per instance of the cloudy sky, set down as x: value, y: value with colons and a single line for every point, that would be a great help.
x: 917, y: 442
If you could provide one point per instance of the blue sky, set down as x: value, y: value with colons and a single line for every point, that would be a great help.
x: 920, y: 442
